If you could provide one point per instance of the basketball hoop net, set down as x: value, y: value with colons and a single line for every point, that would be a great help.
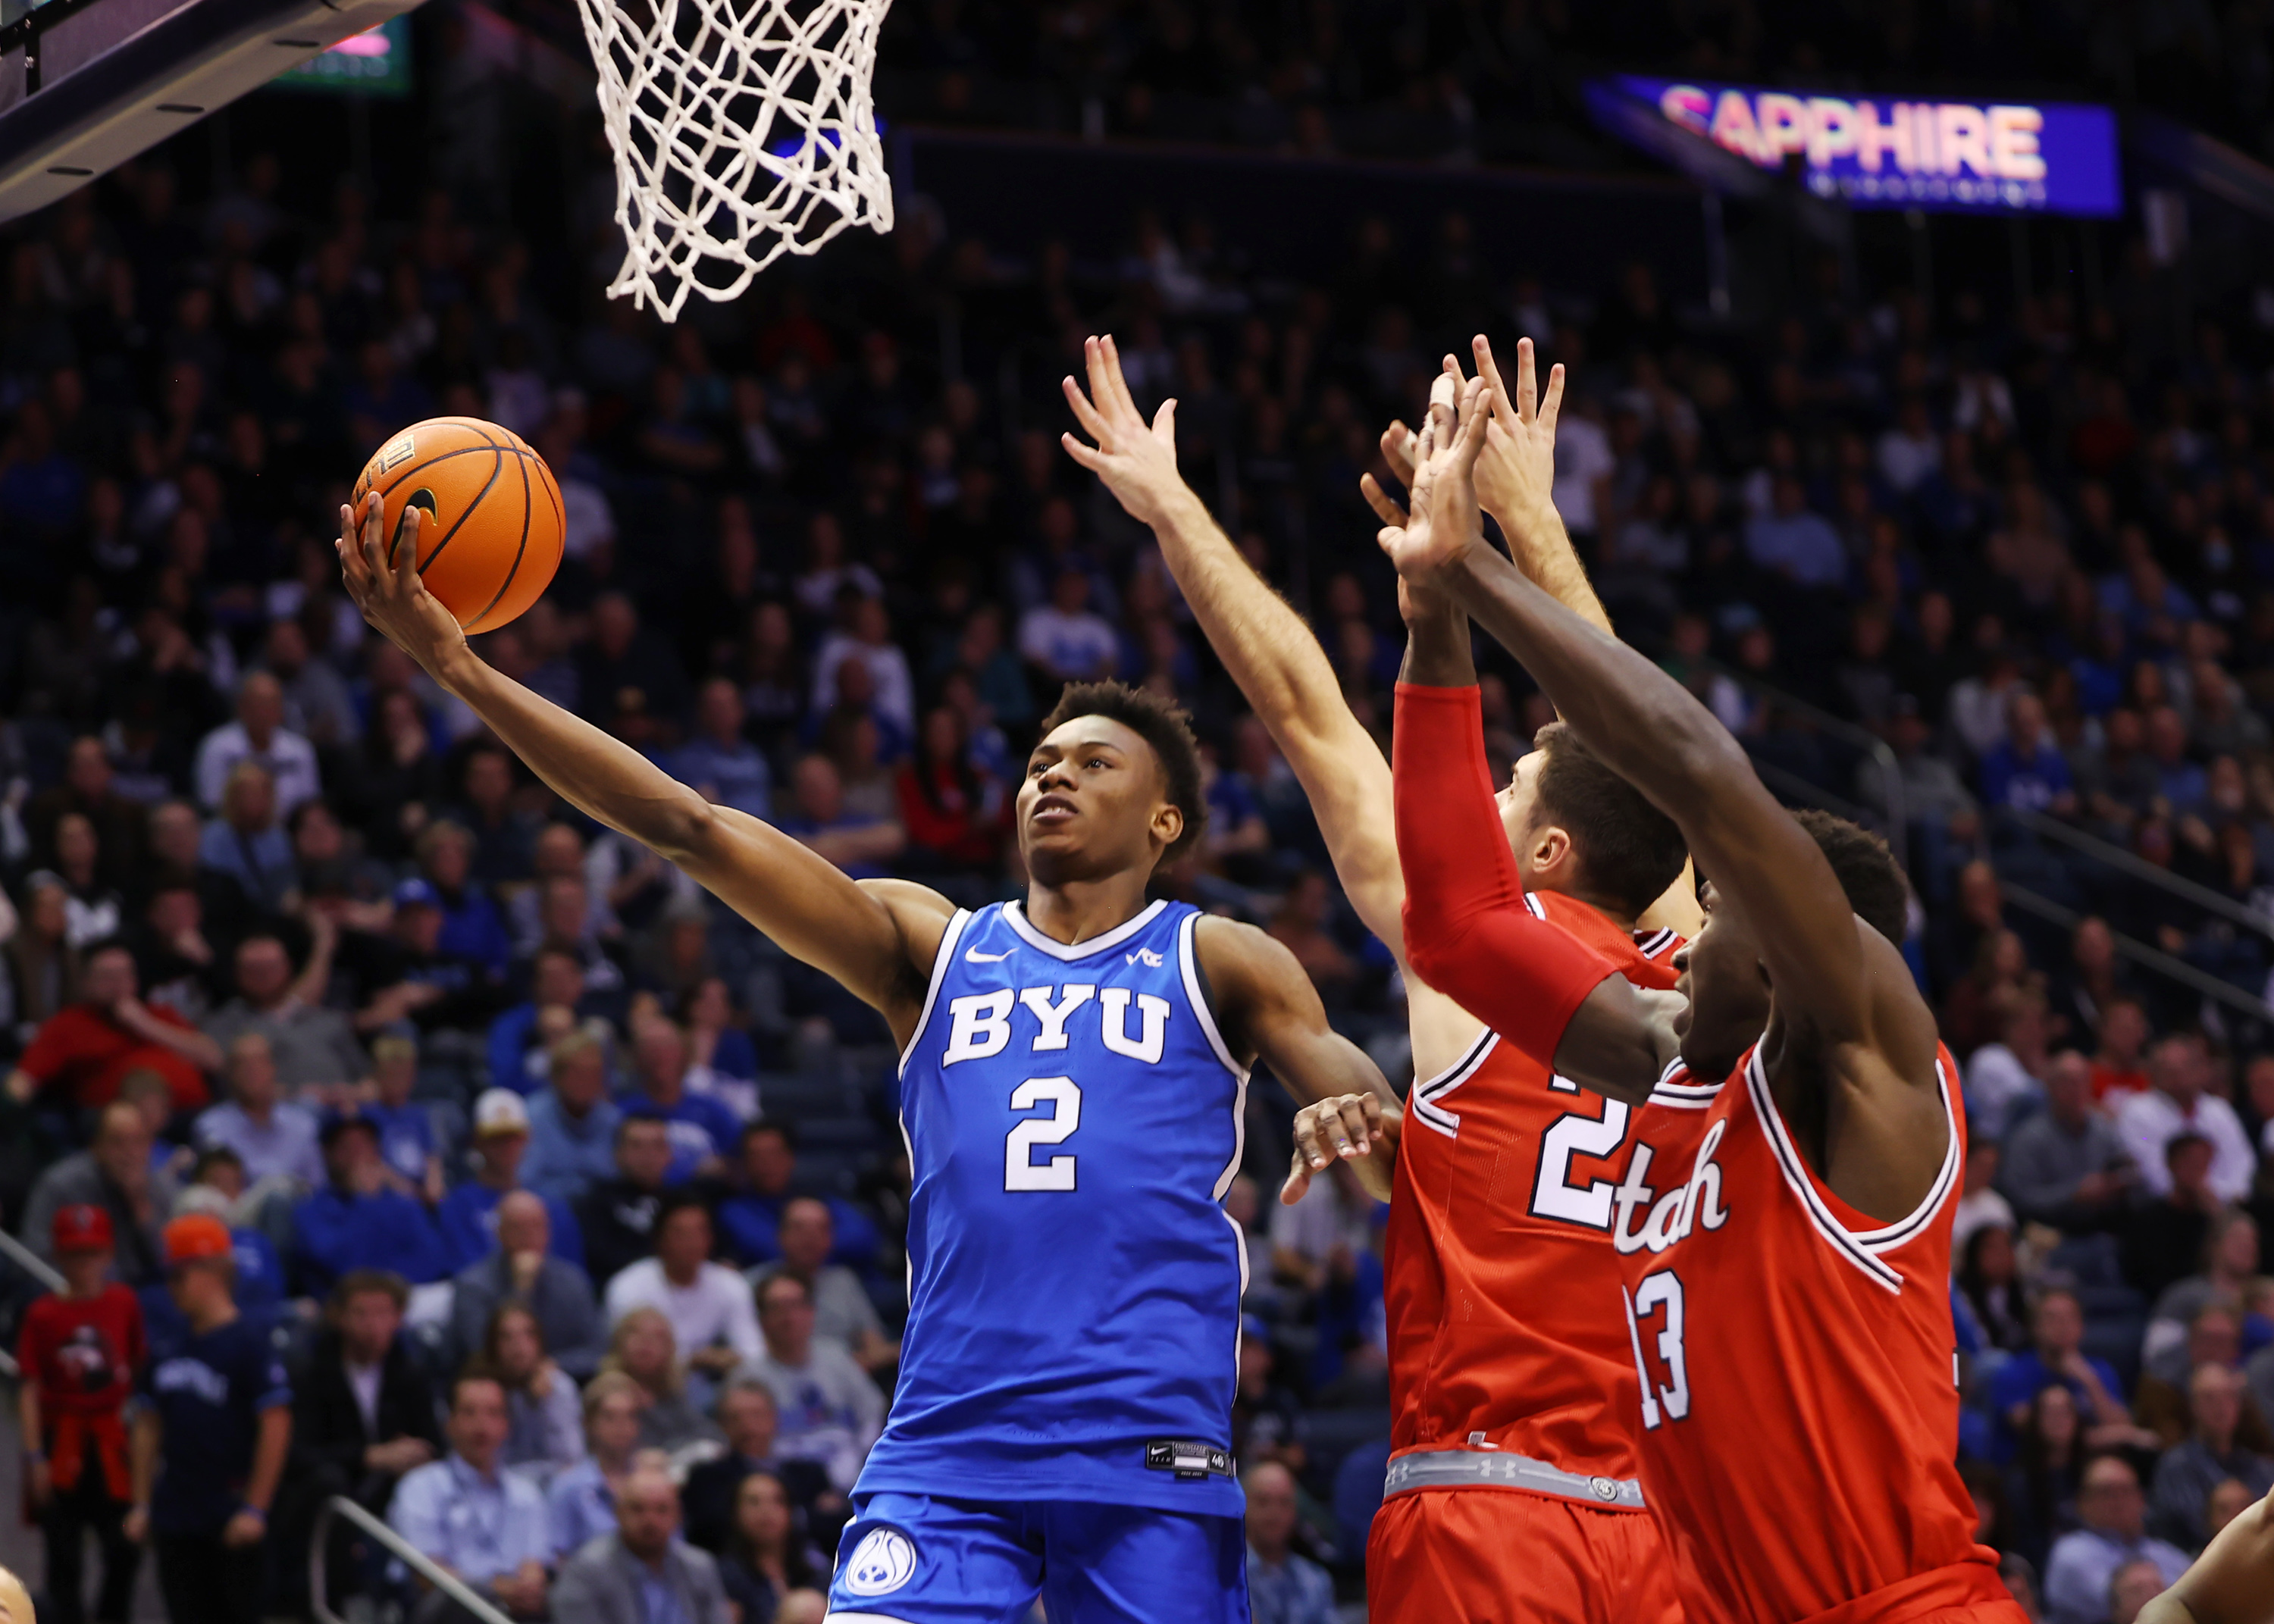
x: 742, y: 129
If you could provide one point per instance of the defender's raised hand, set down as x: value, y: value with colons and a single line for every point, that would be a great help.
x: 1515, y: 473
x: 1137, y: 461
x: 386, y: 584
x: 1445, y: 520
x: 1357, y: 1128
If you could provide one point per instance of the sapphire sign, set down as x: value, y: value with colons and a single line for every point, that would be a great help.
x: 1887, y: 152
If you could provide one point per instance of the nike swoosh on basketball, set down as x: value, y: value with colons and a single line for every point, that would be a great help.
x: 971, y: 955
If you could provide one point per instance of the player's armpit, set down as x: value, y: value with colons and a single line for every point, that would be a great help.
x: 2232, y: 1582
x: 1269, y: 1013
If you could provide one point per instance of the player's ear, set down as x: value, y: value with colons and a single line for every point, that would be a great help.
x: 1551, y: 850
x: 1168, y: 824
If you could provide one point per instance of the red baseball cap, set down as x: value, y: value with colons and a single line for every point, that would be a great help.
x: 197, y: 1238
x: 82, y: 1227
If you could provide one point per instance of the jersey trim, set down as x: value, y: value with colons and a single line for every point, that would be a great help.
x: 1423, y: 1096
x: 948, y: 940
x: 1188, y: 965
x: 1015, y: 916
x: 1860, y: 1247
x: 1651, y: 944
x: 1675, y: 1088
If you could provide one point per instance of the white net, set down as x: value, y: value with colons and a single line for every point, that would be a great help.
x: 742, y: 131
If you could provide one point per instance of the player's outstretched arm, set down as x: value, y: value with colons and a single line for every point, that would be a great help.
x: 1833, y: 975
x: 878, y: 939
x: 1515, y: 483
x: 2232, y: 1582
x: 1262, y: 643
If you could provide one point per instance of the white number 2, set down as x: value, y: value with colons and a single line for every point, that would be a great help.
x: 1552, y: 1194
x: 1021, y: 1171
x: 1657, y: 1291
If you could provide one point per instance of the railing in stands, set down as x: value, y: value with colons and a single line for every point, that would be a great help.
x: 409, y: 1554
x: 2139, y: 868
x: 1894, y: 823
x: 2150, y: 958
x: 31, y: 1262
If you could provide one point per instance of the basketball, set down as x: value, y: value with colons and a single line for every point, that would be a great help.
x: 493, y: 532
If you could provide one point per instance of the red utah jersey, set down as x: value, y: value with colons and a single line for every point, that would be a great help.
x: 1797, y: 1359
x: 1501, y: 1291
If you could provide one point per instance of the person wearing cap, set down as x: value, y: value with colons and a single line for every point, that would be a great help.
x: 274, y: 1138
x: 523, y: 1268
x: 467, y: 1217
x: 213, y: 1425
x: 353, y: 1221
x: 409, y: 975
x: 79, y: 1350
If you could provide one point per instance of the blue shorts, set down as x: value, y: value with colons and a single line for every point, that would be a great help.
x: 910, y: 1558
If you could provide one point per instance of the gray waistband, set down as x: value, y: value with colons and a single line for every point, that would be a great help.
x: 1462, y: 1468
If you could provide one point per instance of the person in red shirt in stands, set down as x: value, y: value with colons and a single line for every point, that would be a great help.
x: 81, y: 1053
x: 79, y: 1348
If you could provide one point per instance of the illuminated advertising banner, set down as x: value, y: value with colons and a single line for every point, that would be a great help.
x: 375, y: 63
x: 1888, y: 152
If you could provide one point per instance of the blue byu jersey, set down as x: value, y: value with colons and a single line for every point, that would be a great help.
x: 1073, y: 1120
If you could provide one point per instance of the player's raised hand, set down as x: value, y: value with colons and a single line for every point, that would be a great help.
x: 387, y: 587
x: 1355, y: 1128
x: 1137, y: 460
x: 1444, y: 520
x: 1517, y: 472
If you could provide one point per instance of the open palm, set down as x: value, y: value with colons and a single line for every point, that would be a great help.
x: 1443, y: 519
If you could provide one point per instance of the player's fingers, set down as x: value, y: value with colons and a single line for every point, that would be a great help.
x: 1117, y: 381
x: 1488, y: 369
x: 1389, y: 539
x: 1165, y: 423
x: 1370, y: 1108
x: 1352, y: 1115
x: 350, y: 555
x: 1081, y: 452
x: 1554, y: 403
x: 1310, y: 1145
x: 1096, y: 364
x: 1298, y: 1182
x: 1092, y: 423
x: 1332, y: 1130
x: 406, y: 548
x: 1527, y: 381
x: 1386, y: 510
x: 1479, y: 413
x: 1398, y: 450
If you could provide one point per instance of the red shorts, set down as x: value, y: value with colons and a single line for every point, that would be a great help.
x: 1502, y: 1556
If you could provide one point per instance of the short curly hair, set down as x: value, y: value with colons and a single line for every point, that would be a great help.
x: 1866, y: 869
x: 1164, y: 725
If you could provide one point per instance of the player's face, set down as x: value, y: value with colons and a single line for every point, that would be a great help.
x: 1093, y: 803
x: 1728, y: 994
x: 1519, y: 800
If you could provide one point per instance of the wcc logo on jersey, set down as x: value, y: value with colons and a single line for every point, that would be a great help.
x: 980, y: 1025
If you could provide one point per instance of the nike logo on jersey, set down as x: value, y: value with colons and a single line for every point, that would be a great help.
x: 971, y: 955
x: 1148, y: 957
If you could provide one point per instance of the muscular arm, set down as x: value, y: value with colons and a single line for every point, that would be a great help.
x: 877, y: 938
x: 1877, y: 1034
x: 2232, y: 1583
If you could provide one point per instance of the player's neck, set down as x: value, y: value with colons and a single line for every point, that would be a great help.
x: 1603, y: 905
x: 1081, y: 909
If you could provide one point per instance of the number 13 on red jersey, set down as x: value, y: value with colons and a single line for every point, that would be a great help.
x: 1655, y: 1310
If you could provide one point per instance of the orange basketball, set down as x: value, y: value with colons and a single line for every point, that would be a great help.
x: 495, y: 525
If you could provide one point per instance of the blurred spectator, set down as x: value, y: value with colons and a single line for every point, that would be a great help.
x: 1267, y: 1421
x: 79, y: 1350
x: 407, y: 1151
x: 707, y: 1303
x: 642, y: 1347
x: 212, y: 1428
x: 2179, y: 1068
x: 544, y: 1421
x: 473, y: 1518
x: 2213, y: 1338
x: 522, y: 1270
x: 2191, y: 1469
x: 720, y: 764
x: 2082, y: 1563
x: 580, y: 1504
x: 115, y: 1175
x: 246, y: 839
x: 556, y: 1003
x: 467, y: 1218
x: 765, y: 1556
x: 1064, y: 640
x: 572, y: 1122
x: 259, y: 736
x: 472, y: 930
x: 751, y: 1217
x: 830, y: 1412
x: 644, y: 1573
x: 819, y: 818
x: 2164, y: 1236
x: 748, y: 1418
x: 2005, y: 1080
x: 2230, y: 1265
x: 2055, y: 1354
x: 2133, y: 1587
x: 84, y: 1049
x: 2065, y: 1166
x: 354, y: 1222
x: 1989, y: 1275
x: 1979, y: 1205
x: 2118, y: 1066
x: 617, y: 1216
x: 2048, y: 1470
x: 273, y: 1137
x: 1284, y: 1586
x: 842, y: 1312
x: 312, y: 1046
x: 702, y: 1131
x: 363, y: 1415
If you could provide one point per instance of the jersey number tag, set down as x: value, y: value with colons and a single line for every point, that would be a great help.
x: 1659, y: 1297
x: 1021, y: 1171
